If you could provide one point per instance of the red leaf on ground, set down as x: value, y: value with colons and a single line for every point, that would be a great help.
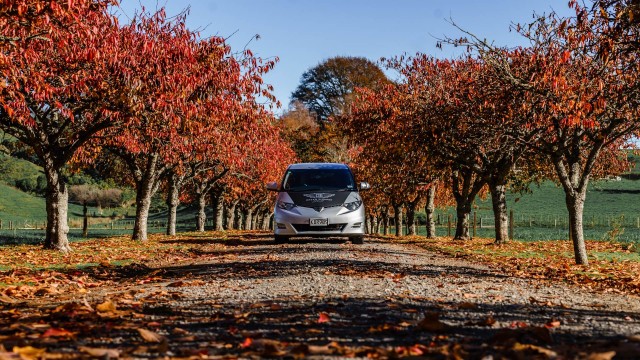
x: 323, y: 318
x: 247, y: 342
x: 553, y: 323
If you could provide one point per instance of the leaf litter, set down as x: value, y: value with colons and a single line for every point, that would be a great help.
x: 139, y: 310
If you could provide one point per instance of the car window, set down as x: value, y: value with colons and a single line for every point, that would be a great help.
x: 318, y: 180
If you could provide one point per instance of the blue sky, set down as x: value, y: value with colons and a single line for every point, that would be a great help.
x: 302, y: 33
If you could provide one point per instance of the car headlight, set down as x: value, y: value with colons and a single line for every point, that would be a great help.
x: 285, y: 205
x: 352, y: 206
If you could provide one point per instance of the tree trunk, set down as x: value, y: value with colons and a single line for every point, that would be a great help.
x: 385, y: 220
x: 465, y: 185
x: 173, y: 200
x: 238, y: 218
x: 201, y: 220
x: 575, y: 180
x: 575, y: 205
x: 231, y: 213
x: 218, y: 210
x: 501, y: 217
x: 257, y: 220
x: 371, y: 228
x: 429, y: 209
x: 248, y: 219
x: 85, y: 220
x: 144, y: 192
x: 411, y: 218
x: 270, y: 224
x: 266, y: 218
x: 397, y: 217
x: 146, y: 185
x: 57, y: 204
x: 463, y: 212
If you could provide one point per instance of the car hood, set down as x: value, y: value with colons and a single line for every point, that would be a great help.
x: 313, y: 199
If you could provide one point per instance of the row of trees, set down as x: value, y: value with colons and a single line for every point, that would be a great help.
x: 150, y: 103
x: 561, y: 107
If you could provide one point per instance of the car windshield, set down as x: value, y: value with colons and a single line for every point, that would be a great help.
x: 318, y: 180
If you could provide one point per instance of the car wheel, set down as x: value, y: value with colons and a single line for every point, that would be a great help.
x: 281, y: 239
x: 357, y: 239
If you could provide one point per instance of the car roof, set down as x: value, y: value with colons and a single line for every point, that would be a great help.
x: 317, y: 166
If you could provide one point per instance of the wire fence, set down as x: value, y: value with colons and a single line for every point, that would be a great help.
x: 527, y: 227
x: 31, y: 231
x: 531, y: 227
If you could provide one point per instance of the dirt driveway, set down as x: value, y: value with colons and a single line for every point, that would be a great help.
x: 251, y: 298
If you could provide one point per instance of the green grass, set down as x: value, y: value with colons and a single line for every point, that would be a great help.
x: 611, y: 206
x: 12, y: 169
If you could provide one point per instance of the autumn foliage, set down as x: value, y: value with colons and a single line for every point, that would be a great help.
x: 561, y: 108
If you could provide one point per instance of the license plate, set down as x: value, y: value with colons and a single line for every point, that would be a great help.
x: 319, y: 222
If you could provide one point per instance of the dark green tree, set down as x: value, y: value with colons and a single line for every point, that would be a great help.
x: 327, y: 88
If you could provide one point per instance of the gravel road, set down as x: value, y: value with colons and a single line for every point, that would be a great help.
x: 385, y: 295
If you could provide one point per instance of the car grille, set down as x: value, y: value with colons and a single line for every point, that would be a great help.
x: 309, y: 228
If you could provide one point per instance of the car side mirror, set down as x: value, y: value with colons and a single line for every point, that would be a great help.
x: 272, y: 186
x: 364, y: 186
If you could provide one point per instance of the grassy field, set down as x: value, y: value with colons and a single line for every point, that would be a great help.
x: 612, y: 211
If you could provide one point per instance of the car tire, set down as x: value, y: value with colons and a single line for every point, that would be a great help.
x: 279, y: 239
x: 359, y: 240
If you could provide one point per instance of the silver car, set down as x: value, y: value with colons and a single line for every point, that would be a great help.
x: 319, y: 199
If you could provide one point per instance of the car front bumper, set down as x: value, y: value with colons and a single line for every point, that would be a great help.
x: 296, y: 222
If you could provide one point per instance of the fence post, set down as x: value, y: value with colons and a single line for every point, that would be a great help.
x: 0, y: 224
x: 511, y: 224
x: 449, y: 225
x: 474, y: 223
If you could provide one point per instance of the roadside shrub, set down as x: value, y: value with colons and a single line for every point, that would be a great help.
x: 29, y: 185
x: 616, y: 231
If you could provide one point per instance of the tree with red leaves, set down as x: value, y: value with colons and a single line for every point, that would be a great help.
x: 401, y: 175
x: 187, y: 90
x: 59, y: 64
x: 582, y: 96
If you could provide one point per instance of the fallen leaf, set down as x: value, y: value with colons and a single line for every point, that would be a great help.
x: 106, y: 306
x: 533, y: 348
x: 518, y: 324
x: 100, y: 352
x: 602, y: 356
x: 488, y: 321
x: 247, y: 342
x: 179, y: 331
x: 467, y: 305
x: 150, y: 336
x: 57, y: 333
x: 323, y: 318
x: 5, y: 299
x: 320, y: 350
x: 552, y: 324
x: 29, y: 352
x: 8, y: 356
x: 432, y: 323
